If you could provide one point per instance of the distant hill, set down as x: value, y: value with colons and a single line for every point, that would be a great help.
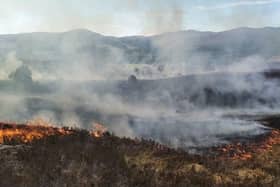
x: 51, y: 52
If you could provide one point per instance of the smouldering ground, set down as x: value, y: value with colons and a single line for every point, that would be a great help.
x: 73, y: 157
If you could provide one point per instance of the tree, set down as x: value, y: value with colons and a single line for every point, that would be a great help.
x: 22, y: 74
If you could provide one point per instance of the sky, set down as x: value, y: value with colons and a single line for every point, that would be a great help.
x: 136, y: 17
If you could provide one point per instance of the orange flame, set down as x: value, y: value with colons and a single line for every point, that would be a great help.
x: 27, y: 133
x: 245, y: 151
x: 38, y: 129
x: 98, y: 130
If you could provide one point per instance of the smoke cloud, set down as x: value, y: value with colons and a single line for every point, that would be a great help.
x: 9, y: 64
x: 178, y: 102
x: 164, y: 20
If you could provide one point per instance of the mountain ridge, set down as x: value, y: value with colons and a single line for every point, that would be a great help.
x: 146, y: 36
x: 87, y: 50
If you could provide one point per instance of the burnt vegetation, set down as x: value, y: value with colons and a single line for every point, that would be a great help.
x: 78, y: 158
x: 37, y: 155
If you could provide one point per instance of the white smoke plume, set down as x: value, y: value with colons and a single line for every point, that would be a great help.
x: 180, y: 103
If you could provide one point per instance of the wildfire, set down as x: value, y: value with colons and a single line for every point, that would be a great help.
x: 38, y: 129
x: 245, y: 151
x: 98, y: 130
x: 27, y: 133
x: 20, y: 133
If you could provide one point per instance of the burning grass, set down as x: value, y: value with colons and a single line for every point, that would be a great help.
x: 38, y: 129
x: 246, y: 150
x: 25, y: 134
x: 51, y: 156
x: 98, y: 130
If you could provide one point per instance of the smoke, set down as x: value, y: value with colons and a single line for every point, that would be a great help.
x: 9, y: 65
x: 184, y: 105
x: 182, y: 113
x: 231, y: 16
x: 163, y: 20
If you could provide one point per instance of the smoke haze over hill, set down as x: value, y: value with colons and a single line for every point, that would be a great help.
x: 86, y: 55
x: 185, y: 82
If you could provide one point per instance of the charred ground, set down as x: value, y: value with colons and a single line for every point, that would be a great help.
x: 78, y: 158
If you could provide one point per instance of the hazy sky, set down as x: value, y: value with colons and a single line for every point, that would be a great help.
x: 134, y: 17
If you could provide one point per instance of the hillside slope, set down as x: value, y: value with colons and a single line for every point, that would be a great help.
x: 79, y: 159
x: 51, y: 53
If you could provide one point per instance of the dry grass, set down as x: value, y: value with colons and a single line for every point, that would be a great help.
x: 79, y: 159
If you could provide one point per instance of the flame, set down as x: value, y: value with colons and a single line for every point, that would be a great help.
x: 38, y: 129
x: 245, y: 151
x: 28, y: 133
x: 98, y: 130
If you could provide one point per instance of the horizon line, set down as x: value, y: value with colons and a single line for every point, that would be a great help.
x: 137, y: 35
